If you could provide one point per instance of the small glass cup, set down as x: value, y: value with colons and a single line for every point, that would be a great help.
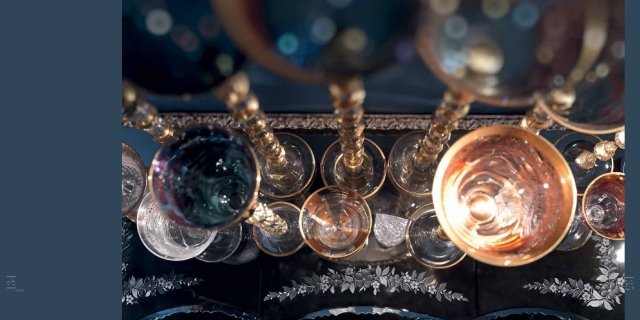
x: 335, y: 222
x: 603, y: 205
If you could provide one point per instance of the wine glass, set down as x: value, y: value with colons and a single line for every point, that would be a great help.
x: 134, y: 181
x: 166, y: 238
x: 232, y: 245
x: 504, y: 195
x: 571, y: 145
x: 603, y: 205
x: 335, y: 46
x: 579, y: 232
x: 335, y: 222
x: 280, y: 245
x: 428, y: 243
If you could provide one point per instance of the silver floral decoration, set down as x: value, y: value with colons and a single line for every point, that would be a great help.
x: 369, y: 278
x: 135, y: 288
x: 604, y: 293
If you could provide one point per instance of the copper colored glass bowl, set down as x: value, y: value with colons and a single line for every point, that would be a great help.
x: 603, y: 205
x: 504, y: 195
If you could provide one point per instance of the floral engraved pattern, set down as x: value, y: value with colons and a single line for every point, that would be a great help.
x: 135, y: 288
x: 363, y: 279
x: 604, y: 293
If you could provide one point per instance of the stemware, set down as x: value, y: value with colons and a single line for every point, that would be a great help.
x: 603, y: 205
x: 166, y: 238
x: 427, y: 242
x: 571, y: 145
x: 335, y: 222
x: 504, y: 195
x: 232, y: 245
x: 286, y: 161
x: 465, y: 45
x: 134, y: 182
x: 280, y: 245
x: 335, y: 46
x: 579, y: 232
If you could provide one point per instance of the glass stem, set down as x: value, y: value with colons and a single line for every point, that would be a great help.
x: 444, y: 120
x: 603, y: 151
x: 347, y: 98
x: 559, y: 100
x: 143, y: 115
x: 441, y: 234
x: 243, y: 105
x: 266, y: 219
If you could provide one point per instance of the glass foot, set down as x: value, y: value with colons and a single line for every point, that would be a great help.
x: 247, y: 251
x: 134, y: 181
x: 579, y: 232
x: 168, y: 239
x: 296, y: 176
x: 224, y: 244
x: 404, y: 175
x: 281, y: 245
x: 366, y: 181
x: 427, y: 243
x: 335, y: 222
x: 571, y: 145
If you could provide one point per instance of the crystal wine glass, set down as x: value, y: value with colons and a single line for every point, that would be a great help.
x: 232, y: 245
x: 335, y: 222
x: 134, y: 182
x: 603, y: 205
x: 428, y: 243
x: 504, y: 195
x: 579, y: 232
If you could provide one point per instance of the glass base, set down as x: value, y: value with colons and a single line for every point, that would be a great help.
x: 224, y: 244
x: 571, y: 145
x: 369, y: 178
x: 289, y: 242
x: 579, y: 232
x: 296, y: 176
x: 427, y: 245
x: 404, y: 175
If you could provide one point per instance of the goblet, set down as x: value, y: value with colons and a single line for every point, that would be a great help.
x: 166, y: 238
x: 603, y: 205
x: 333, y: 46
x: 571, y: 145
x: 286, y: 161
x: 428, y: 243
x: 133, y: 181
x: 504, y: 195
x: 579, y: 232
x: 335, y: 222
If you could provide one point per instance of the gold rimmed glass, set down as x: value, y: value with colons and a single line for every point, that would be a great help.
x: 427, y: 242
x: 504, y: 195
x: 335, y: 222
x: 603, y: 205
x: 134, y: 182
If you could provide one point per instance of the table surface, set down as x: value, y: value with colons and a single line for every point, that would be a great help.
x: 292, y: 287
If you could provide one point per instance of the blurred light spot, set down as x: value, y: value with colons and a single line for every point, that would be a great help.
x: 456, y: 27
x: 495, y: 9
x: 208, y: 26
x: 595, y: 37
x: 617, y: 49
x: 558, y: 80
x: 224, y: 62
x: 526, y: 14
x: 444, y: 7
x: 544, y: 55
x: 545, y: 185
x: 354, y: 39
x: 184, y: 38
x: 620, y: 254
x: 158, y: 22
x: 340, y: 3
x: 602, y: 70
x: 485, y: 58
x: 288, y: 43
x: 322, y: 30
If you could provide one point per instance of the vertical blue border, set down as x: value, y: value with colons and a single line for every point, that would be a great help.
x: 60, y: 75
x: 632, y: 155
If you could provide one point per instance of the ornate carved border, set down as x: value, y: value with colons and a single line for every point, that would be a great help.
x: 326, y: 121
